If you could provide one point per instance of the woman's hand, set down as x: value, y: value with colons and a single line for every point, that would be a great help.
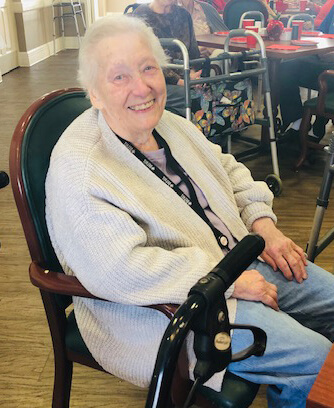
x: 251, y: 285
x: 281, y: 252
x: 193, y: 75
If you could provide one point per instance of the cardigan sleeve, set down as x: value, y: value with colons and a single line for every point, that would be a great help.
x: 253, y: 198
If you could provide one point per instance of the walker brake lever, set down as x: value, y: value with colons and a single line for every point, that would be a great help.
x: 257, y: 348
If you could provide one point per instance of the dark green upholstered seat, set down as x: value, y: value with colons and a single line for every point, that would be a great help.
x: 42, y: 133
x: 329, y: 103
x: 34, y: 138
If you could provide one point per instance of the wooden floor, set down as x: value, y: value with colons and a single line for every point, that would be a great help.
x: 26, y: 360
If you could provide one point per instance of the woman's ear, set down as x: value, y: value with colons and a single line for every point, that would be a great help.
x: 95, y: 99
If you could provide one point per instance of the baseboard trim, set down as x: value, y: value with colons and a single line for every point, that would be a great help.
x: 8, y: 62
x: 32, y: 57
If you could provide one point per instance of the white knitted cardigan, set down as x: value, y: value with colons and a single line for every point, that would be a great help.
x: 131, y: 240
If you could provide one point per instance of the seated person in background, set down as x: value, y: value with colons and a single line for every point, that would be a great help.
x: 321, y: 12
x: 271, y: 13
x: 304, y: 72
x: 132, y: 238
x: 293, y: 74
x: 168, y: 20
x: 327, y: 25
x: 206, y: 20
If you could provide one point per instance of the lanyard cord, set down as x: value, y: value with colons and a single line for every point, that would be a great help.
x: 192, y: 201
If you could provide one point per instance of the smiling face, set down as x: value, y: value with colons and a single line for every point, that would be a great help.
x: 130, y: 87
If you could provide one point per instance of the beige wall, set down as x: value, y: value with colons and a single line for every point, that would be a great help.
x: 117, y: 5
x: 112, y: 6
x: 34, y: 28
x: 21, y: 38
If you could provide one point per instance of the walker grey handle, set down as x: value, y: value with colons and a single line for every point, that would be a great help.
x: 241, y: 32
x: 302, y: 16
x: 172, y: 41
x: 251, y: 13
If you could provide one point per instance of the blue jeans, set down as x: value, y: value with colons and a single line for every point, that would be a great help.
x: 295, y: 348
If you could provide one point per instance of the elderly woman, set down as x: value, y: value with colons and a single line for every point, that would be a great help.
x: 125, y: 227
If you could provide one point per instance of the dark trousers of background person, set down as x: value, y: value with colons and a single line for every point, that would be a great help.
x: 301, y: 72
x: 176, y: 101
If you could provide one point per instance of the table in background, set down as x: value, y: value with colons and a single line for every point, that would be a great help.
x: 322, y: 392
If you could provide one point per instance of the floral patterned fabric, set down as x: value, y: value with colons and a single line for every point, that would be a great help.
x: 223, y: 107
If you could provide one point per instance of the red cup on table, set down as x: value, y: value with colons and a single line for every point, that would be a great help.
x: 248, y: 22
x: 300, y: 24
x: 251, y: 41
x: 280, y: 6
x: 302, y: 5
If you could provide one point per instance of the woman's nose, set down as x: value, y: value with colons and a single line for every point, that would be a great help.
x: 140, y: 86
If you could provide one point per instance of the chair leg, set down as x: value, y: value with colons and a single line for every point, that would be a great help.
x: 309, y: 93
x: 303, y: 132
x: 62, y: 382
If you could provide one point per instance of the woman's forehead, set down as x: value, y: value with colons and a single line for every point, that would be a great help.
x: 122, y: 42
x: 124, y: 49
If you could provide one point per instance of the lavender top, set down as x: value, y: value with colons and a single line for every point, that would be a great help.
x: 158, y: 157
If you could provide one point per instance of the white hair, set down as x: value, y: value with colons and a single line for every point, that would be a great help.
x: 112, y: 26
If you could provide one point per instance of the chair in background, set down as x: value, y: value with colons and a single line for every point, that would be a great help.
x: 322, y: 106
x: 251, y: 14
x: 234, y: 9
x: 33, y: 140
x: 65, y: 10
x: 302, y: 16
x: 131, y: 8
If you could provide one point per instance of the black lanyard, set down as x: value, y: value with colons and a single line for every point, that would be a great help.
x: 192, y: 201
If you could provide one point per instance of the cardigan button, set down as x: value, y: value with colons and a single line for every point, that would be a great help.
x: 223, y: 240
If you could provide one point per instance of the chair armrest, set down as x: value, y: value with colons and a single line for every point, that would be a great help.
x: 323, y: 89
x: 58, y: 282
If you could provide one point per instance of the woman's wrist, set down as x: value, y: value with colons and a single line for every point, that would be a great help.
x: 263, y: 225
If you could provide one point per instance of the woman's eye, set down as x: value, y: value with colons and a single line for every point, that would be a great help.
x: 119, y: 77
x: 149, y: 68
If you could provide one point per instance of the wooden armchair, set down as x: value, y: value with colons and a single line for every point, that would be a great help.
x: 322, y: 106
x: 34, y: 138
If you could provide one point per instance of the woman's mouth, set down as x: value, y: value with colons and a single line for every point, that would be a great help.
x: 142, y: 106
